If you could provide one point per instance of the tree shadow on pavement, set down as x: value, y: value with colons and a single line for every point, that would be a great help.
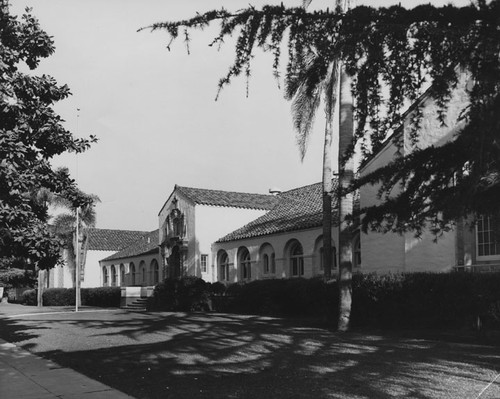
x: 175, y: 355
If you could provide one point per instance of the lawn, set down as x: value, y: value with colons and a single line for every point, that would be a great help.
x: 176, y: 355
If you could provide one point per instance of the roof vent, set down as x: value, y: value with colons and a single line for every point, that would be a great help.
x: 275, y: 191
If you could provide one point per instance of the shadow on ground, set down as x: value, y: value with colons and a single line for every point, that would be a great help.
x: 175, y: 355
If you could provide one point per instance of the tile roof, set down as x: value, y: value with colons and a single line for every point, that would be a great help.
x: 297, y: 209
x: 111, y: 240
x: 228, y: 198
x: 145, y: 244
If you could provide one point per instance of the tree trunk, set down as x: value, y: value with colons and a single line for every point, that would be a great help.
x: 327, y: 198
x: 331, y: 103
x: 41, y: 286
x: 345, y: 203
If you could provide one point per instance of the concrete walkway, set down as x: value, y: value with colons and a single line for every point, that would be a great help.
x: 26, y: 376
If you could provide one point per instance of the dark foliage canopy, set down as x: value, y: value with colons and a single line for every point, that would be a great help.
x: 31, y: 134
x: 392, y: 55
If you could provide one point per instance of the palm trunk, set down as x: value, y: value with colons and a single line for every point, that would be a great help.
x: 331, y: 102
x: 345, y: 204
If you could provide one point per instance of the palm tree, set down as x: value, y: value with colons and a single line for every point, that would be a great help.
x: 321, y: 79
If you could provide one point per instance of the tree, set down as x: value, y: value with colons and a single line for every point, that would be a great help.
x: 313, y: 80
x: 391, y: 56
x: 31, y: 134
x: 65, y: 227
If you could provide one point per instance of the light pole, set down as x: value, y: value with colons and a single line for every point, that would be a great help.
x: 77, y: 259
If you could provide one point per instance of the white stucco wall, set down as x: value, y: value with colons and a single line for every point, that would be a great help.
x: 214, y: 222
x: 392, y: 252
x: 92, y: 276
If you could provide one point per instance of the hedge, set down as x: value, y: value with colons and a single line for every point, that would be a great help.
x: 100, y: 297
x: 410, y: 300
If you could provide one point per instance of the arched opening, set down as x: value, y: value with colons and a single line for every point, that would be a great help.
x: 223, y: 266
x: 155, y: 270
x: 113, y: 276
x: 174, y: 262
x: 105, y: 279
x: 122, y: 275
x: 142, y: 271
x: 132, y: 274
x: 296, y: 259
x: 245, y: 266
x: 268, y: 259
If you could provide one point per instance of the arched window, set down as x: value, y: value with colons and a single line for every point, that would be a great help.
x: 356, y: 251
x: 223, y: 267
x: 105, y: 280
x: 132, y: 274
x: 296, y: 260
x: 113, y: 276
x: 245, y: 265
x: 265, y: 261
x: 155, y: 270
x: 122, y: 275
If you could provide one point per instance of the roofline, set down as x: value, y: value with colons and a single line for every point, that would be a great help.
x: 269, y: 234
x: 109, y: 258
x: 170, y: 196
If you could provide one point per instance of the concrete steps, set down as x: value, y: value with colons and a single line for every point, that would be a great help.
x: 139, y: 305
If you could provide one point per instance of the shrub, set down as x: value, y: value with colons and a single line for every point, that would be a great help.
x: 285, y: 297
x: 29, y: 298
x: 59, y: 297
x: 184, y: 294
x: 101, y: 296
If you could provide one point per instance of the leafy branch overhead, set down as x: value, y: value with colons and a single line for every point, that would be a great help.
x: 31, y: 134
x: 393, y: 56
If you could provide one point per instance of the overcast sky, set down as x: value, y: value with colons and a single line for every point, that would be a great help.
x: 154, y: 110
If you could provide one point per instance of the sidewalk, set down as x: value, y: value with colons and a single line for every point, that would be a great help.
x: 26, y: 376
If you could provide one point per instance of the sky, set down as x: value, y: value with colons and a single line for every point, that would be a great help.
x: 154, y: 111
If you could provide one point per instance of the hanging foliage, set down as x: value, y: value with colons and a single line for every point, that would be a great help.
x: 392, y: 55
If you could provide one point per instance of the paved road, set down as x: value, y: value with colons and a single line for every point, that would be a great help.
x: 176, y: 355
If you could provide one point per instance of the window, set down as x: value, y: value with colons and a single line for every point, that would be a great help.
x: 224, y: 267
x: 245, y: 265
x: 296, y: 260
x: 204, y: 263
x: 266, y: 264
x: 273, y: 263
x: 488, y: 237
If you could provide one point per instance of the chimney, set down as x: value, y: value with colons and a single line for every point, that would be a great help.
x: 275, y: 191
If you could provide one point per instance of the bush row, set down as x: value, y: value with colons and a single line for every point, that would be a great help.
x: 411, y: 300
x: 102, y: 297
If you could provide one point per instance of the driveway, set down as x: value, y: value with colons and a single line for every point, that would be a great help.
x: 177, y: 355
